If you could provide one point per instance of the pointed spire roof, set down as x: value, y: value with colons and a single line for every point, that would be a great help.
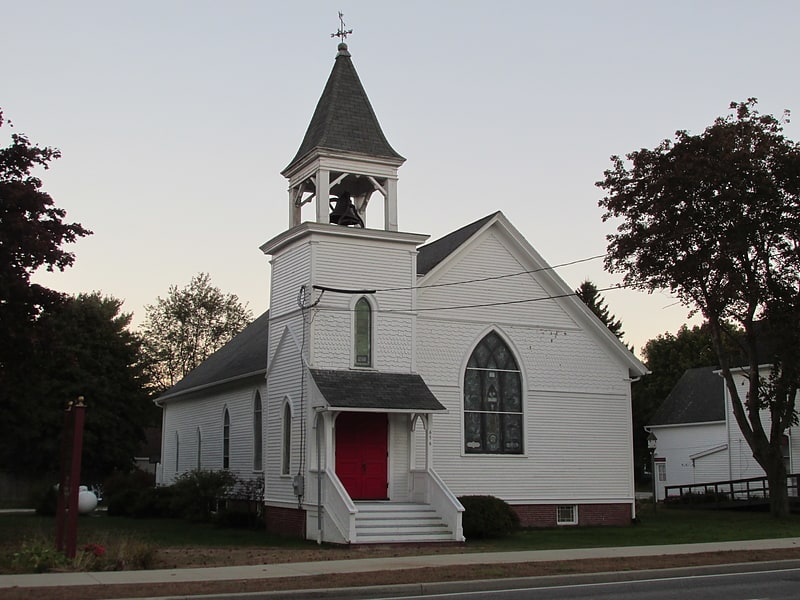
x: 344, y: 119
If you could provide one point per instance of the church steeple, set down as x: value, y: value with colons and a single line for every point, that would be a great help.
x: 344, y: 151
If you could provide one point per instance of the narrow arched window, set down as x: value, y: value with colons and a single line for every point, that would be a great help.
x: 286, y: 455
x: 226, y: 440
x: 492, y: 400
x: 199, y: 449
x: 257, y: 433
x: 363, y: 333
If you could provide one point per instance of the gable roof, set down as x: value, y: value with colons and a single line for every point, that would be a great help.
x: 432, y: 254
x: 244, y: 356
x: 344, y: 119
x: 360, y: 390
x: 698, y: 397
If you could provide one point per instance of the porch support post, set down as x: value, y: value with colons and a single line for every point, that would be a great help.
x: 428, y: 442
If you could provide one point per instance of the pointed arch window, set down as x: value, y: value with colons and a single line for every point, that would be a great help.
x: 286, y: 454
x: 258, y: 445
x: 363, y: 333
x: 177, y: 451
x: 199, y: 449
x: 226, y: 439
x: 492, y: 400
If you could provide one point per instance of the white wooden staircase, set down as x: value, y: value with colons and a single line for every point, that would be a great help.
x: 399, y: 522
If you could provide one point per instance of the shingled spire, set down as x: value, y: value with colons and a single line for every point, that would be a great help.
x: 344, y: 151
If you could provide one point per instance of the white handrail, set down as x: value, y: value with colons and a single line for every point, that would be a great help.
x: 339, y: 507
x: 436, y: 493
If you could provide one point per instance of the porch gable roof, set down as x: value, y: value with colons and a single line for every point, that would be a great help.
x: 370, y: 390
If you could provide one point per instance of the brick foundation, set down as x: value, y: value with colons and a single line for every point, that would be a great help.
x: 544, y: 515
x: 285, y: 521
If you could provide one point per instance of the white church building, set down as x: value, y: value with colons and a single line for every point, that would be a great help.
x: 392, y: 375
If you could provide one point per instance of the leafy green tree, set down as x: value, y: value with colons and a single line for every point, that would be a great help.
x: 715, y: 218
x: 32, y: 233
x: 83, y: 347
x: 183, y: 329
x: 591, y: 297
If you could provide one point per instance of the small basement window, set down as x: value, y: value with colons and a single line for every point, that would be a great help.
x: 567, y: 514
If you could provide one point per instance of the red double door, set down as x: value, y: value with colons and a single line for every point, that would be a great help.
x: 361, y: 454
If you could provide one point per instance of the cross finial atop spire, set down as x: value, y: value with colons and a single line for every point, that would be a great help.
x: 342, y: 33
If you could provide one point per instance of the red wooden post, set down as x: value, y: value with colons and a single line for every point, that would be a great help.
x: 79, y: 411
x: 61, y: 501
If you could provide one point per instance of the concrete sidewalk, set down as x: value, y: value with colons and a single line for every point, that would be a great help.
x: 375, y: 564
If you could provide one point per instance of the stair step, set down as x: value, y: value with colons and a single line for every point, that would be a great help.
x: 398, y: 522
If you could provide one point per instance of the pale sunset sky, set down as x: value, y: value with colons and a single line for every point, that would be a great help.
x: 175, y: 119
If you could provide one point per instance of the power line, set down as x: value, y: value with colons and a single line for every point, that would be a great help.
x: 495, y: 277
x: 483, y: 304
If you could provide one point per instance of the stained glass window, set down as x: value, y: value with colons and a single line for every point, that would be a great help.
x: 492, y: 400
x: 257, y: 437
x: 287, y: 440
x: 363, y: 333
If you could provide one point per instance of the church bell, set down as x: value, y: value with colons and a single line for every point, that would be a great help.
x: 343, y: 212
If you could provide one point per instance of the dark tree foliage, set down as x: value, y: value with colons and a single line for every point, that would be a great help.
x: 715, y: 218
x: 186, y: 327
x: 83, y: 348
x: 591, y: 297
x: 32, y: 233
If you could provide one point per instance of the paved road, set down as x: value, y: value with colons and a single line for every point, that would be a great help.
x: 762, y: 581
x: 771, y: 585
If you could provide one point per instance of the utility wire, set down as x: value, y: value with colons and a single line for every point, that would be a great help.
x: 482, y: 305
x: 493, y: 278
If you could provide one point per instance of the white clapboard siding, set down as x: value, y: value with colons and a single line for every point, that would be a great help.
x: 204, y: 411
x: 488, y: 257
x: 290, y: 270
x: 577, y: 395
x: 284, y: 380
x: 357, y: 266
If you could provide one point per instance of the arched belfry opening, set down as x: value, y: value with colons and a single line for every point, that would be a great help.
x: 344, y: 155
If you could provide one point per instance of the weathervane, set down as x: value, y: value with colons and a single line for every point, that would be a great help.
x: 342, y: 33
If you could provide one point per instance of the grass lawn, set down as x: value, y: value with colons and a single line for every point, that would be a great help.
x: 666, y: 526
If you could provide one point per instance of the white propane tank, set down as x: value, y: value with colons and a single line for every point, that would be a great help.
x: 87, y: 501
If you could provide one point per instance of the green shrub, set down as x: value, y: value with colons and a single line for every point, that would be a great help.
x: 197, y: 493
x: 47, y: 501
x: 121, y: 491
x: 487, y: 516
x: 38, y: 556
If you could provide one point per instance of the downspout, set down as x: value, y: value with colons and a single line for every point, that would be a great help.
x: 317, y: 418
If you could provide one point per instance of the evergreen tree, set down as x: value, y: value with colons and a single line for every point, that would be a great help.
x: 597, y: 304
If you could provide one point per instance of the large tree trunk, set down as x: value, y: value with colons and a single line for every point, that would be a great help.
x: 778, y: 493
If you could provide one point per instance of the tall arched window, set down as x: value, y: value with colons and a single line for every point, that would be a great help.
x: 286, y: 455
x: 492, y: 400
x: 177, y: 452
x: 199, y: 449
x: 363, y: 333
x: 226, y: 440
x: 257, y: 434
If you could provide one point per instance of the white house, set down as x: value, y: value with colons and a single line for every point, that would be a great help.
x: 391, y: 376
x: 698, y: 439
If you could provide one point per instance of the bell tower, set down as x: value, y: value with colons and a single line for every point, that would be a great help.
x: 344, y: 158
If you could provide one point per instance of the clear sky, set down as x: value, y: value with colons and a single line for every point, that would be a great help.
x: 175, y: 119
